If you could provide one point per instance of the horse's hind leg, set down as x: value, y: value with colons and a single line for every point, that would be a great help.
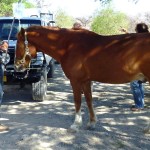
x: 88, y: 96
x: 76, y: 86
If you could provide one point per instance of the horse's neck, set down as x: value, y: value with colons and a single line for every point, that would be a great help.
x: 47, y: 45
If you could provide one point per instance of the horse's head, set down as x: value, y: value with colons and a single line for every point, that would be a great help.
x: 24, y: 51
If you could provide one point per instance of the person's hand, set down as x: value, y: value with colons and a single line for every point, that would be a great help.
x: 4, y: 46
x: 123, y: 30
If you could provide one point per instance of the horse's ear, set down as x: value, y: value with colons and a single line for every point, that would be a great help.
x: 22, y: 31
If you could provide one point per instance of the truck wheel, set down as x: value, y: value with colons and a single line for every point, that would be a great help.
x: 50, y: 73
x: 39, y: 88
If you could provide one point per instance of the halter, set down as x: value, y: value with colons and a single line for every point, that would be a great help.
x: 27, y: 52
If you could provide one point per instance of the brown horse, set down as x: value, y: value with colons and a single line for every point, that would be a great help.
x: 86, y: 56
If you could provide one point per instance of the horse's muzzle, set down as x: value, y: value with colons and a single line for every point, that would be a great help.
x: 19, y: 68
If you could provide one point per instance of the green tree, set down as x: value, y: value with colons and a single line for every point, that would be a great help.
x: 63, y: 20
x: 7, y: 9
x: 109, y: 22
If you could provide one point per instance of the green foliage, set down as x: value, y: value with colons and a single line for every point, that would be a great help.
x: 7, y: 9
x: 28, y: 5
x: 63, y: 20
x: 109, y: 22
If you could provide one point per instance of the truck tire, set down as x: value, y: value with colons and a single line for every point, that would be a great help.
x: 39, y: 89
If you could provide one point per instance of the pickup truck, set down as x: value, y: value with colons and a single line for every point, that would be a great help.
x: 41, y: 68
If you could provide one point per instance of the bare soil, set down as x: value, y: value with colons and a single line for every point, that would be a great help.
x: 43, y: 125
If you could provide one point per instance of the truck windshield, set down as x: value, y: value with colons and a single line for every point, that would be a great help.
x: 5, y: 27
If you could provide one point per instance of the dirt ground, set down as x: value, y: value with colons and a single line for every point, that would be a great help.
x: 43, y: 125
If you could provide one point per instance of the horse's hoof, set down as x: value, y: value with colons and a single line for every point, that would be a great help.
x: 91, y: 126
x: 73, y: 128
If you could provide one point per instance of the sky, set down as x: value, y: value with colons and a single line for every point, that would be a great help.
x: 76, y: 8
x: 131, y: 8
x: 83, y: 8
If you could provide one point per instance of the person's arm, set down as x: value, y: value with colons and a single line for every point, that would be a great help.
x: 3, y: 46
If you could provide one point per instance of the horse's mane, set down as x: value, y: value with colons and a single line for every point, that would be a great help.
x: 32, y: 28
x: 84, y: 33
x: 69, y: 30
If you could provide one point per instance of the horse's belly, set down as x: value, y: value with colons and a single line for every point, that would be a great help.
x: 111, y: 76
x: 116, y: 77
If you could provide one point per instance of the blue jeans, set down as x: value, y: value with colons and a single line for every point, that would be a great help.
x: 138, y: 93
x: 1, y: 82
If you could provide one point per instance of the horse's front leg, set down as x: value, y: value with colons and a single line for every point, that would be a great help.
x: 77, y: 101
x: 88, y: 96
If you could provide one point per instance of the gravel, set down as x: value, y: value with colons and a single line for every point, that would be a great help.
x: 44, y: 125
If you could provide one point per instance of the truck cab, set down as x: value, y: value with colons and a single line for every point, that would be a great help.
x: 41, y: 68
